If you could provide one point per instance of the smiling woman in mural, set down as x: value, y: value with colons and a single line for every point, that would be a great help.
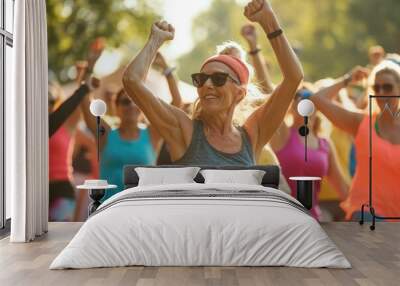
x: 210, y: 137
x: 384, y: 81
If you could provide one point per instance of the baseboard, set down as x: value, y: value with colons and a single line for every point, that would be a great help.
x: 5, y: 231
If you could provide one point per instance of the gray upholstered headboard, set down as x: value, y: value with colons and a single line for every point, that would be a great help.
x: 270, y: 179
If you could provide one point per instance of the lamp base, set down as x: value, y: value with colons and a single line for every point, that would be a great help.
x: 305, y: 189
x: 96, y: 195
x: 97, y: 190
x: 305, y: 193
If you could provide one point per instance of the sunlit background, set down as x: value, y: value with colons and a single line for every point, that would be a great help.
x: 180, y: 14
x: 330, y: 36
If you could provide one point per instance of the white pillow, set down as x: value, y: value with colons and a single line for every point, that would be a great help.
x: 163, y: 176
x: 248, y: 177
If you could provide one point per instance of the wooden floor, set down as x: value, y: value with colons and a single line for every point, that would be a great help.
x: 375, y: 257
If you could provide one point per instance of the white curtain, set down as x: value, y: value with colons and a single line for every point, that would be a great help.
x: 27, y: 124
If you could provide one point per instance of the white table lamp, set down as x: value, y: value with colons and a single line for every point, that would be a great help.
x: 98, y: 108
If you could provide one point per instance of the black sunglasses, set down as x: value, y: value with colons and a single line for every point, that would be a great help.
x: 218, y: 79
x: 386, y: 88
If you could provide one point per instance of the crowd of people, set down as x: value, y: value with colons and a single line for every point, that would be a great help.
x: 241, y: 117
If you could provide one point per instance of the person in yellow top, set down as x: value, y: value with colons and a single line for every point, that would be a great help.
x: 341, y: 141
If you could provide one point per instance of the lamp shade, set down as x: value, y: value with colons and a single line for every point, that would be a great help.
x: 305, y: 107
x: 98, y: 107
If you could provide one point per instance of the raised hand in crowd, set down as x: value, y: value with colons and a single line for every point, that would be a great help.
x: 356, y: 75
x: 85, y: 68
x: 68, y: 107
x: 167, y: 71
x: 263, y: 78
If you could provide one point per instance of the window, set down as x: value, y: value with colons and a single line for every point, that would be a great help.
x: 6, y: 45
x: 9, y: 15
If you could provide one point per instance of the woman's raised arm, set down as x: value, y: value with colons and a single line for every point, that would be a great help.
x: 167, y: 119
x: 171, y: 80
x: 263, y: 123
x: 262, y: 74
x: 347, y: 120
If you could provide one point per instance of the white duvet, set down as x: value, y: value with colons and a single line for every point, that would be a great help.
x: 203, y: 231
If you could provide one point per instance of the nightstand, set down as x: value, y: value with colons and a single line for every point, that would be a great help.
x: 305, y: 188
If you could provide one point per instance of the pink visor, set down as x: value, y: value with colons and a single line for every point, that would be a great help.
x: 234, y: 63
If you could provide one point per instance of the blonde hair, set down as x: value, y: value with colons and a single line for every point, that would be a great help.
x: 386, y: 66
x: 253, y: 92
x: 231, y: 48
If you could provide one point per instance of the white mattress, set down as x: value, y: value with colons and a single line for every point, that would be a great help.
x: 200, y: 231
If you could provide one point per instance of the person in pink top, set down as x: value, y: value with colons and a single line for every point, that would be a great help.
x: 384, y: 81
x: 61, y: 191
x: 322, y: 161
x: 63, y: 120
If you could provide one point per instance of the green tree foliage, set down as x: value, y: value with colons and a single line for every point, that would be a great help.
x: 211, y: 28
x: 336, y: 35
x: 381, y: 22
x: 331, y: 36
x: 74, y: 24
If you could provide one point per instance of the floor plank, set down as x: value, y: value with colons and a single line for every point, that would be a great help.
x: 375, y: 257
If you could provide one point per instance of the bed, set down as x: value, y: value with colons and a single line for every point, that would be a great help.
x: 198, y: 224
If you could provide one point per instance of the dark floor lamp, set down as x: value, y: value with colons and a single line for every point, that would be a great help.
x: 305, y: 184
x: 370, y: 205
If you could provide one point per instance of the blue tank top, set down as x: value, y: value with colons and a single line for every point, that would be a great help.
x: 118, y: 152
x: 200, y: 152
